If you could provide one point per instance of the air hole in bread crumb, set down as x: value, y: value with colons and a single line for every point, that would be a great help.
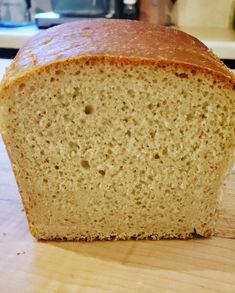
x: 88, y: 110
x: 165, y: 151
x: 57, y: 167
x: 152, y: 134
x: 128, y: 133
x: 182, y: 75
x: 189, y: 117
x: 21, y: 86
x: 73, y: 145
x: 156, y: 156
x: 85, y: 164
x: 102, y: 172
x: 150, y: 106
x: 58, y: 72
x: 131, y: 93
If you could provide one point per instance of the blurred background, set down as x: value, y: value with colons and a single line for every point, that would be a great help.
x: 211, y: 21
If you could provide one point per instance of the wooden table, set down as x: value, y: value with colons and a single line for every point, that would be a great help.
x: 199, y: 265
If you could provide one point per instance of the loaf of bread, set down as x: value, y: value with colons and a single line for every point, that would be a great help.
x: 118, y: 129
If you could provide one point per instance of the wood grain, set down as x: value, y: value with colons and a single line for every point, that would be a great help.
x: 226, y: 222
x: 199, y: 265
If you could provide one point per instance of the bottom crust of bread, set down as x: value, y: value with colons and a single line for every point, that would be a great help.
x: 44, y: 234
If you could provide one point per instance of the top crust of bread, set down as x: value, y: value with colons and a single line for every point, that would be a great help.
x: 130, y: 41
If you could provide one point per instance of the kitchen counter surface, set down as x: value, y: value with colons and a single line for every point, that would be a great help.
x: 16, y: 37
x: 3, y: 64
x: 221, y: 41
x: 26, y: 265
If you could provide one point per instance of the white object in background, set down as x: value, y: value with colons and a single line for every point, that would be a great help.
x: 204, y: 13
x: 4, y: 63
x: 16, y: 37
x: 129, y: 2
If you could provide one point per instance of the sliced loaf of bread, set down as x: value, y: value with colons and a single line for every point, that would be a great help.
x: 118, y: 129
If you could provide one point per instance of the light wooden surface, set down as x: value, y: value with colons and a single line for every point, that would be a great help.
x: 226, y: 223
x: 199, y: 265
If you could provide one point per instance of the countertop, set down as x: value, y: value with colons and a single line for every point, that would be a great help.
x: 3, y: 64
x: 30, y: 266
x: 221, y: 41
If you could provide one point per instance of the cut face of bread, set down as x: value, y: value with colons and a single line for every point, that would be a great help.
x: 107, y: 148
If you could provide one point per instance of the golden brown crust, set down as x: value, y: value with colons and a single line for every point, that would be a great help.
x: 115, y: 39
